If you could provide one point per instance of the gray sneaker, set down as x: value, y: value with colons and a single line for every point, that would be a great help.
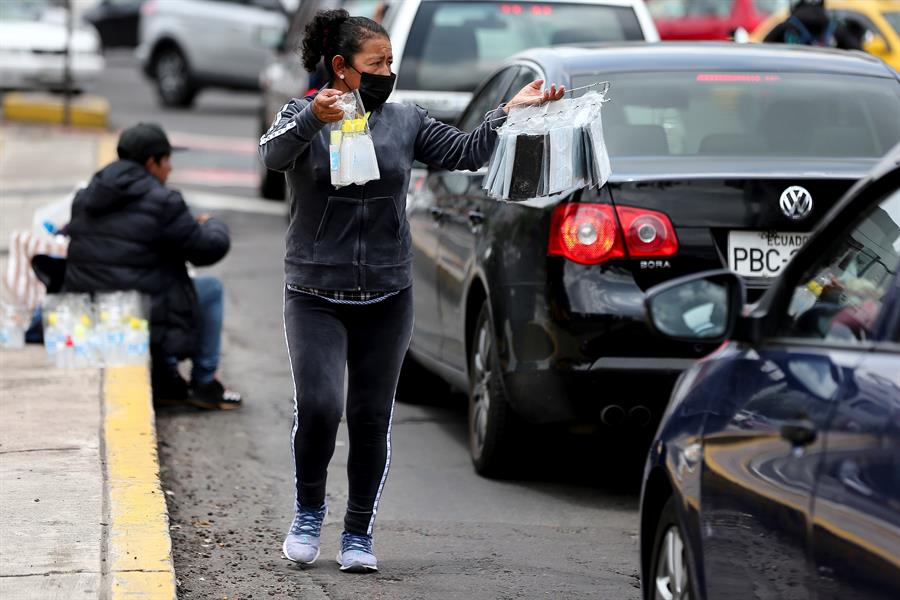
x: 356, y: 554
x: 302, y: 542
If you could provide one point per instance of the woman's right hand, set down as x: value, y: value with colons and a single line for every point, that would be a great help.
x: 325, y: 107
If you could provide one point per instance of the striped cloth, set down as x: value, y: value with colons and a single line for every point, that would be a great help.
x: 23, y: 286
x: 344, y: 297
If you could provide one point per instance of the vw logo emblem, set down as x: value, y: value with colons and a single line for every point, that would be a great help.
x: 796, y: 202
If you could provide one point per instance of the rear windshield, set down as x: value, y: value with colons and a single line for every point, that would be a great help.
x: 452, y: 46
x: 894, y: 19
x: 749, y: 114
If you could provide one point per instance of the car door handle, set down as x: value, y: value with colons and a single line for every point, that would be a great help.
x: 476, y: 217
x: 799, y: 433
x: 436, y: 213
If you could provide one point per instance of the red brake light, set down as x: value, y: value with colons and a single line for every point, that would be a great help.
x: 148, y: 8
x: 647, y: 232
x: 735, y: 77
x: 585, y: 233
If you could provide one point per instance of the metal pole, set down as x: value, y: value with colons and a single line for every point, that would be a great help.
x: 67, y: 67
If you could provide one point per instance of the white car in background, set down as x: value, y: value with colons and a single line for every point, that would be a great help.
x: 443, y: 49
x: 33, y: 39
x: 188, y: 45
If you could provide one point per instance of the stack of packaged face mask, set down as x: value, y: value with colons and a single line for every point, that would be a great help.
x: 351, y: 151
x: 549, y: 149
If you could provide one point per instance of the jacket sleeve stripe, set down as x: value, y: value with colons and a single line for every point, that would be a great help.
x: 271, y: 135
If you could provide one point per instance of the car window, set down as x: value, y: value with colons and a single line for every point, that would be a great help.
x: 453, y: 46
x: 30, y: 10
x: 770, y: 6
x: 488, y: 98
x: 523, y: 77
x: 749, y: 114
x: 894, y: 19
x: 680, y: 9
x: 840, y: 297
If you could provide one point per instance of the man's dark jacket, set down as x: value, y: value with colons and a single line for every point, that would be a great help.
x: 129, y: 232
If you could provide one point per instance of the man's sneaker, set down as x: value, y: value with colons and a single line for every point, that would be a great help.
x: 214, y: 396
x: 302, y: 542
x: 356, y: 554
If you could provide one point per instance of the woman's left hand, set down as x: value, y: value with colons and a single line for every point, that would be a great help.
x: 531, y: 95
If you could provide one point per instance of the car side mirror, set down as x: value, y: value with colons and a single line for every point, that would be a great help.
x: 703, y: 307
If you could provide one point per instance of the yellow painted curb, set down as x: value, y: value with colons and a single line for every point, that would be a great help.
x: 139, y: 552
x: 38, y: 107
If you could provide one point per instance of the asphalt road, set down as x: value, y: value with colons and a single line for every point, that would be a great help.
x: 220, y: 132
x: 566, y: 527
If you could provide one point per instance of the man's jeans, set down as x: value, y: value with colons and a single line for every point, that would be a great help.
x: 211, y: 298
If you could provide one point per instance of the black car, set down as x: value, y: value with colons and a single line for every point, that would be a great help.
x: 723, y: 156
x: 116, y: 21
x: 776, y: 470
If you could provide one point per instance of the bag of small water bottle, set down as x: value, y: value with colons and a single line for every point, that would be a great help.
x: 351, y: 150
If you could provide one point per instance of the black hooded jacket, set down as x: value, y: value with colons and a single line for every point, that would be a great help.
x: 129, y: 232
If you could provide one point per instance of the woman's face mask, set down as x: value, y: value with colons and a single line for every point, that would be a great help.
x: 375, y: 89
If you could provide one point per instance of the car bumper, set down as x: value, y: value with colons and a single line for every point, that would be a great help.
x: 558, y: 396
x: 30, y: 71
x: 561, y: 366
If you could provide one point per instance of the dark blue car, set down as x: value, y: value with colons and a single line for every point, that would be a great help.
x: 775, y: 472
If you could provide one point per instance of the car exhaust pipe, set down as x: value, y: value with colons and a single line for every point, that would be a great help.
x: 612, y: 415
x: 639, y: 415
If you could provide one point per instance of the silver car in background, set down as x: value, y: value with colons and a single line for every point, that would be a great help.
x: 187, y: 45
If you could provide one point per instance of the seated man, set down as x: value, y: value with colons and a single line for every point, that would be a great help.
x: 130, y: 232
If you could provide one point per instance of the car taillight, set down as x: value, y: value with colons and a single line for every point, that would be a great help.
x: 647, y: 232
x: 148, y: 8
x: 591, y: 234
x: 585, y: 233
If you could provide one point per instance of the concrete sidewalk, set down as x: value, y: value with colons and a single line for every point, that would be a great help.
x: 82, y: 514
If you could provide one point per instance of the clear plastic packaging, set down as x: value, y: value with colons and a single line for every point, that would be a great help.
x: 351, y: 151
x: 13, y: 323
x: 112, y: 330
x: 547, y: 150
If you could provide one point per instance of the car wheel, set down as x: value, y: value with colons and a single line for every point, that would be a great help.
x: 670, y: 563
x: 492, y: 423
x: 173, y: 78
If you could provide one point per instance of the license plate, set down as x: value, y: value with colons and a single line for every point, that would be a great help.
x: 762, y: 253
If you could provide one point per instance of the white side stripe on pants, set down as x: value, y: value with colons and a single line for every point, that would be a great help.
x: 387, y: 467
x: 296, y: 407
